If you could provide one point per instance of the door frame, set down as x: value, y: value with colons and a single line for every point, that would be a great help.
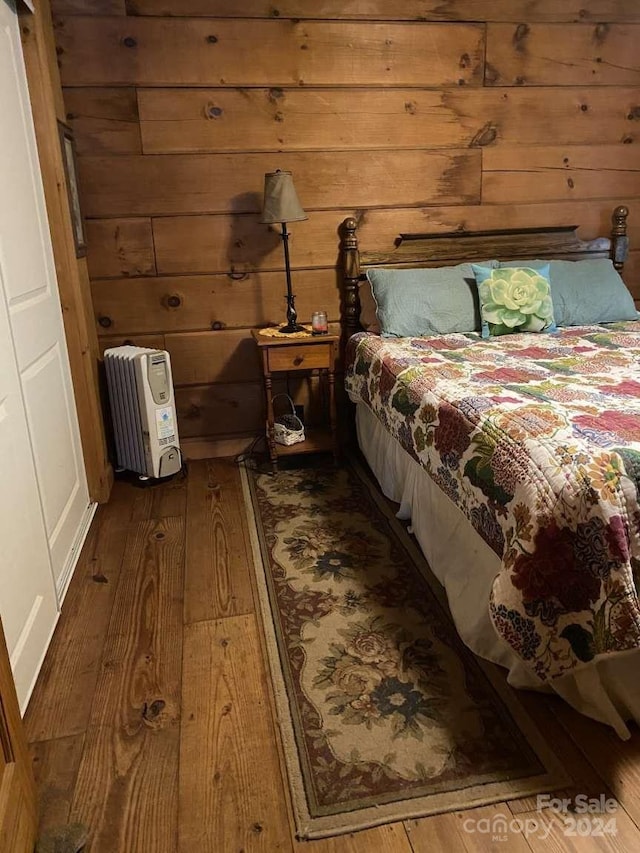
x: 18, y: 799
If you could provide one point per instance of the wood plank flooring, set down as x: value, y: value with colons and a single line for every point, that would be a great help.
x: 152, y: 720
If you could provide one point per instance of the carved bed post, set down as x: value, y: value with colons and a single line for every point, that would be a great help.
x: 350, y: 258
x: 351, y: 274
x: 619, y: 239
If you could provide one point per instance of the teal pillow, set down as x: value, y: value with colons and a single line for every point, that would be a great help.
x: 514, y: 299
x: 435, y: 301
x: 585, y: 292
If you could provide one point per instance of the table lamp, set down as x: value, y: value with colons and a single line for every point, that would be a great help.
x: 281, y: 205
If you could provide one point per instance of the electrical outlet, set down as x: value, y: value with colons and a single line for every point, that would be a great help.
x: 300, y: 412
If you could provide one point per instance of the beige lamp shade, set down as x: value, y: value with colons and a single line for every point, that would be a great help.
x: 281, y: 202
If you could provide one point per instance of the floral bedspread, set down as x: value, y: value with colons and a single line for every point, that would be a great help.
x: 536, y: 438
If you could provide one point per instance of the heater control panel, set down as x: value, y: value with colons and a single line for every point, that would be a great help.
x: 159, y: 378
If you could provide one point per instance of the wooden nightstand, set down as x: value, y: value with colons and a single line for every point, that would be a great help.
x: 311, y: 353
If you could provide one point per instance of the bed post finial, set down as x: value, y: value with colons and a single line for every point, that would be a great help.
x: 619, y: 239
x: 351, y: 274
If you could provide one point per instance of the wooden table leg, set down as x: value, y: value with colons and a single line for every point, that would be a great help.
x: 273, y: 454
x: 333, y: 419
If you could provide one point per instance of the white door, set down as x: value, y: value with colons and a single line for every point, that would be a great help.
x: 27, y: 592
x: 44, y: 441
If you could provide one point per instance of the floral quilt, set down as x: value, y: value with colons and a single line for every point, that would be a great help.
x: 536, y: 438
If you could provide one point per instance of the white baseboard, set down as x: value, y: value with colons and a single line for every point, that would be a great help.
x: 72, y: 560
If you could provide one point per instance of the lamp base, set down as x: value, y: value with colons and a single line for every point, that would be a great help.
x: 290, y: 328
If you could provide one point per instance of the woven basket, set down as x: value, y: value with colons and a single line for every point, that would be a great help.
x: 287, y: 428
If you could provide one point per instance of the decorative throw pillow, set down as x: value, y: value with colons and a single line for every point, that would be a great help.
x: 585, y: 292
x: 514, y: 299
x: 425, y: 301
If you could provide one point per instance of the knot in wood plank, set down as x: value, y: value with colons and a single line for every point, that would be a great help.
x: 491, y: 74
x: 520, y: 36
x: 485, y: 136
x: 151, y: 712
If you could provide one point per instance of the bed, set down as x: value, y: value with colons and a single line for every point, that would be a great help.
x: 516, y: 457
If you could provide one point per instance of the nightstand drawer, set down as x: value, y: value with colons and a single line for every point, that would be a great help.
x: 303, y: 357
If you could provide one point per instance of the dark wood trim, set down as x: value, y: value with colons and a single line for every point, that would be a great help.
x: 351, y: 276
x: 619, y: 239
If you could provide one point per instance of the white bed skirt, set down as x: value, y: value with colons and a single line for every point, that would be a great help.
x: 607, y: 689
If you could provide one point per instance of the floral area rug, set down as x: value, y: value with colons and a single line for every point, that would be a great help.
x: 384, y: 713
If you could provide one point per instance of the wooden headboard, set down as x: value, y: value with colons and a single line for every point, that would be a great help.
x: 434, y: 250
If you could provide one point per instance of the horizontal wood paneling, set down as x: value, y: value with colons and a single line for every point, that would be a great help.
x: 419, y: 10
x: 200, y: 52
x: 179, y: 108
x: 88, y: 7
x: 139, y: 306
x: 632, y: 273
x: 565, y: 54
x: 120, y: 247
x: 104, y: 120
x: 222, y: 183
x: 224, y: 409
x: 200, y: 358
x: 151, y: 341
x: 193, y: 120
x: 210, y: 447
x: 539, y: 174
x: 220, y: 409
x: 276, y: 118
x: 208, y: 244
x: 194, y: 244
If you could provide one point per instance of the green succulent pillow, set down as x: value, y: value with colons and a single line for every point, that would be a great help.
x: 514, y: 299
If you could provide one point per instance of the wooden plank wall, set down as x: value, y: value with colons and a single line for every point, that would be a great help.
x: 422, y: 115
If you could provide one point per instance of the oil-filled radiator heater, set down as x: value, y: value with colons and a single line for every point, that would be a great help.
x: 143, y: 410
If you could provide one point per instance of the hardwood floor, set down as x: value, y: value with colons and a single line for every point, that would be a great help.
x: 152, y: 719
